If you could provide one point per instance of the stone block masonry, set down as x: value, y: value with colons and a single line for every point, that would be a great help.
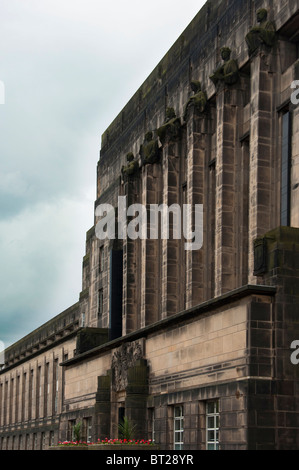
x: 193, y: 347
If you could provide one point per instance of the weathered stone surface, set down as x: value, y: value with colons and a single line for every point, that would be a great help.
x: 209, y: 325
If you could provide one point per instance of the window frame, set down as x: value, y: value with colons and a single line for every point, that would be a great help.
x: 215, y: 415
x: 178, y: 445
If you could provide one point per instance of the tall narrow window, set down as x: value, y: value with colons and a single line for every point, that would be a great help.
x: 46, y: 388
x: 100, y: 303
x: 153, y: 424
x: 55, y: 386
x: 101, y: 260
x: 286, y: 155
x: 178, y: 428
x: 87, y: 428
x: 212, y: 425
x: 116, y: 297
x: 17, y: 399
x: 121, y: 416
x: 70, y: 429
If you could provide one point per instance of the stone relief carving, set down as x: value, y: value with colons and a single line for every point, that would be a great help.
x: 263, y: 33
x: 227, y: 73
x: 171, y: 127
x: 124, y: 358
x: 198, y: 100
x: 132, y: 166
x: 149, y: 150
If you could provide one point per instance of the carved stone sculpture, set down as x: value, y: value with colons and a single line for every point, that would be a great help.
x: 131, y: 168
x: 263, y: 33
x: 171, y: 127
x: 198, y: 100
x: 150, y: 151
x: 227, y: 73
x: 124, y: 358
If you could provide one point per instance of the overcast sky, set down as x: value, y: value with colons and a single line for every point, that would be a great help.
x: 69, y: 67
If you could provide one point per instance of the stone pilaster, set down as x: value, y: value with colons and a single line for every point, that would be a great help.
x: 131, y: 266
x: 261, y: 216
x: 228, y: 101
x: 136, y: 397
x: 103, y: 407
x: 150, y: 250
x: 197, y: 149
x: 171, y: 247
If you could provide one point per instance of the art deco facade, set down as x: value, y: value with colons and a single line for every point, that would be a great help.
x: 193, y: 346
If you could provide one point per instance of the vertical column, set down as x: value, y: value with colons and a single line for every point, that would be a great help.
x: 131, y: 265
x: 150, y: 249
x: 103, y: 407
x: 23, y: 385
x: 11, y: 401
x: 18, y: 398
x: 170, y: 269
x: 26, y: 378
x: 136, y: 397
x: 197, y: 148
x: 261, y: 215
x: 45, y: 388
x: 228, y: 101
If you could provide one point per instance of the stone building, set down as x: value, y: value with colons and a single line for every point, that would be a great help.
x: 193, y: 346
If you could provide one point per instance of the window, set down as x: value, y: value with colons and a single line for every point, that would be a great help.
x: 43, y: 441
x: 56, y: 385
x: 100, y: 302
x: 153, y: 425
x: 70, y: 431
x: 88, y: 429
x: 101, y: 260
x: 212, y: 425
x: 178, y: 428
x: 286, y: 155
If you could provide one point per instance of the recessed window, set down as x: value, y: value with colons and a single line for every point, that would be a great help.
x: 286, y: 156
x: 88, y: 429
x: 100, y: 302
x: 101, y: 260
x: 212, y: 425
